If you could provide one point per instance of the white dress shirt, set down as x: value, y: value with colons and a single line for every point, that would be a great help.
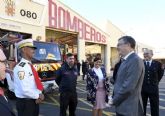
x: 128, y: 55
x: 150, y: 61
x: 24, y: 82
x: 10, y: 82
x: 99, y: 73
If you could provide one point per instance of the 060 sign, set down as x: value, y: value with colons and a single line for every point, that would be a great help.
x: 28, y: 14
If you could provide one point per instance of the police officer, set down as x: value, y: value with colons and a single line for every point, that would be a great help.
x: 67, y: 80
x: 150, y: 90
x: 28, y: 87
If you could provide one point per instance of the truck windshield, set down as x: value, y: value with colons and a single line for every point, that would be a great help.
x: 47, y: 52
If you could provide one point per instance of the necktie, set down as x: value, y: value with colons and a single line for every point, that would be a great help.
x: 37, y: 78
x: 148, y: 64
x: 122, y: 59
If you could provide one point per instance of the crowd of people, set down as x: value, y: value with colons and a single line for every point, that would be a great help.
x: 135, y: 81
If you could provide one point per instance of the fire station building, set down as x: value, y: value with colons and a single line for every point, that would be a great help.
x: 52, y: 21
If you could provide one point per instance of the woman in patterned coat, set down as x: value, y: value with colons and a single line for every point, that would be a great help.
x: 98, y: 87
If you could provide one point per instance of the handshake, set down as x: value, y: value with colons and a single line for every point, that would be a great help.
x: 110, y: 101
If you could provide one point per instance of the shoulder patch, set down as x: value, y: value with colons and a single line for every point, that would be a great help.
x: 22, y: 64
x: 21, y: 75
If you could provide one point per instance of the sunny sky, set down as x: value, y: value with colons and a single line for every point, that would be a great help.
x: 142, y: 19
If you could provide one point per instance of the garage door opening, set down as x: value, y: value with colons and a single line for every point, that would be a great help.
x: 67, y: 40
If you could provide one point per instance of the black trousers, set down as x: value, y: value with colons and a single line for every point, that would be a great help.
x: 154, y: 102
x: 83, y: 76
x: 27, y: 107
x: 78, y: 70
x: 68, y: 99
x: 117, y: 114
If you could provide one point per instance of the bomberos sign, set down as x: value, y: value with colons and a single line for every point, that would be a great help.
x: 61, y: 17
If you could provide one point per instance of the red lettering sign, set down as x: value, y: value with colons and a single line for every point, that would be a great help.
x: 87, y: 32
x: 52, y: 16
x: 71, y: 24
x: 61, y: 18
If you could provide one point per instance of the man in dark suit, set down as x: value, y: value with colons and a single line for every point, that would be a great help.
x: 85, y: 67
x: 5, y: 108
x: 127, y: 88
x: 116, y: 68
x: 153, y: 74
x: 78, y: 67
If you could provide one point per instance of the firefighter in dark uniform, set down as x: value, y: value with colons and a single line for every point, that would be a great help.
x: 150, y: 89
x: 67, y: 81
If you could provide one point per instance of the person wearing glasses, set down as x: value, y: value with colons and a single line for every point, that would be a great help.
x: 98, y: 87
x: 128, y: 84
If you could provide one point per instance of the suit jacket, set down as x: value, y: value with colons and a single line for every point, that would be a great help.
x: 127, y: 88
x: 92, y: 82
x: 116, y: 68
x: 5, y: 108
x: 153, y: 75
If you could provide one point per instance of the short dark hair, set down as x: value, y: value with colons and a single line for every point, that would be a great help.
x: 69, y: 55
x: 130, y: 40
x: 96, y: 59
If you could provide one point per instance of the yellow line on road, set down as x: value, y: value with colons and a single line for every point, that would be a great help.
x: 162, y: 94
x: 15, y: 110
x: 161, y: 99
x: 55, y: 101
x: 80, y: 83
x: 162, y: 107
x: 81, y: 89
x: 85, y: 109
x: 54, y: 104
x: 56, y: 95
x: 85, y: 102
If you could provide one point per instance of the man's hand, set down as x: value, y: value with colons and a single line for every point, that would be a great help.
x: 110, y: 100
x: 41, y: 96
x: 40, y: 99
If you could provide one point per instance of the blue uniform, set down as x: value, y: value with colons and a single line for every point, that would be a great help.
x: 150, y: 89
x: 67, y: 81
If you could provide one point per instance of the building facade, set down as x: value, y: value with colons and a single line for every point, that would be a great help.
x: 23, y: 16
x: 52, y: 21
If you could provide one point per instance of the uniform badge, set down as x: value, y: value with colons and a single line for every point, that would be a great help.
x: 21, y: 75
x: 30, y: 74
x: 22, y: 64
